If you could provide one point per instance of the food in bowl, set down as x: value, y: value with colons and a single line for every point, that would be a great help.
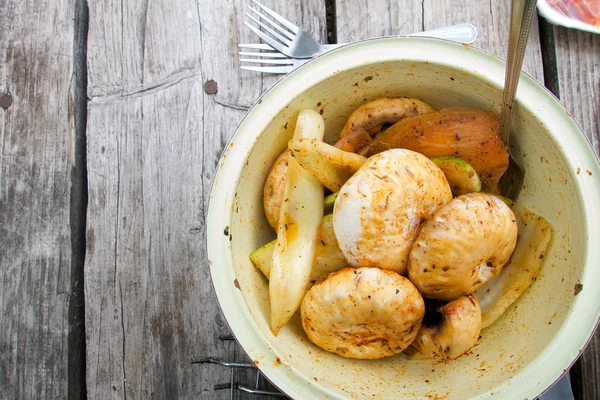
x: 463, y: 245
x: 534, y: 340
x: 365, y: 313
x: 410, y: 206
x: 456, y: 332
x: 379, y: 209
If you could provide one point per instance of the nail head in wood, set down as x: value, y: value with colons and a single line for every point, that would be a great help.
x: 210, y: 87
x: 5, y: 100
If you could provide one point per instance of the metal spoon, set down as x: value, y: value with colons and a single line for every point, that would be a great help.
x: 521, y: 14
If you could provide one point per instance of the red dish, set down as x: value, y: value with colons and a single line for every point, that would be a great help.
x: 586, y: 11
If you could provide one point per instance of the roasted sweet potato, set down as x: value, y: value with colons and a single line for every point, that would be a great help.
x: 468, y: 133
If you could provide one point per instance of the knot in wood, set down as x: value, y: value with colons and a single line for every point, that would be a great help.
x: 210, y: 87
x: 5, y: 100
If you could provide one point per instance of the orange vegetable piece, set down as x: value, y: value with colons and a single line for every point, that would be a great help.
x: 468, y: 133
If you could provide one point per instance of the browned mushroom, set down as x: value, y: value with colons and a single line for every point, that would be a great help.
x: 450, y: 330
x: 274, y: 189
x: 365, y: 313
x: 369, y: 118
x: 462, y: 245
x: 378, y: 211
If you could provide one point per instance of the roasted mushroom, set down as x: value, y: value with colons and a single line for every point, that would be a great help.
x: 368, y: 119
x: 379, y: 209
x: 365, y: 313
x: 450, y: 330
x: 462, y: 245
x: 274, y: 189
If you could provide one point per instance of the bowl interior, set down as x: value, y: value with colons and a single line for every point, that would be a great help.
x: 505, y: 359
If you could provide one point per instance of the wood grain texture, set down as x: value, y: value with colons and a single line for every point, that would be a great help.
x: 492, y: 20
x: 377, y: 18
x: 578, y: 70
x: 36, y: 44
x: 386, y: 17
x: 578, y: 66
x: 154, y: 140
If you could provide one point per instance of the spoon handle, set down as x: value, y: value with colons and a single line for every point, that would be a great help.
x: 461, y: 33
x: 521, y: 14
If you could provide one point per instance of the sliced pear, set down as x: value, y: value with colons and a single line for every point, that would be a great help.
x: 506, y: 201
x: 329, y: 202
x: 299, y: 220
x: 328, y: 256
x: 262, y: 258
x: 461, y: 176
x: 520, y: 271
x: 330, y: 165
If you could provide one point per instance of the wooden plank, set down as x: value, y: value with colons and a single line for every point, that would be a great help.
x: 578, y: 66
x: 36, y: 64
x: 386, y: 17
x: 154, y: 138
x: 578, y: 71
x: 492, y: 20
x: 586, y: 371
x: 377, y: 18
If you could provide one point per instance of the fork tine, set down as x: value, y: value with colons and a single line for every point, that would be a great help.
x: 257, y: 46
x: 271, y: 31
x: 278, y: 17
x: 267, y: 61
x: 275, y: 25
x: 274, y: 43
x: 271, y: 54
x: 269, y: 70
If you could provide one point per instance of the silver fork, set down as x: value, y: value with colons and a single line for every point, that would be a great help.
x: 278, y: 63
x: 286, y: 37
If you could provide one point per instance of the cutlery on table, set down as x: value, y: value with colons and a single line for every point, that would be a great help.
x: 283, y: 64
x: 295, y: 42
x: 291, y: 41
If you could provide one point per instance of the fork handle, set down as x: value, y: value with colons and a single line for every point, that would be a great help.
x: 461, y: 33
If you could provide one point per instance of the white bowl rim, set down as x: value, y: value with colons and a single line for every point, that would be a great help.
x: 255, y: 344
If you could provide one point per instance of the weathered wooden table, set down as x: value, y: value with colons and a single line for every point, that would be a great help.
x: 109, y: 138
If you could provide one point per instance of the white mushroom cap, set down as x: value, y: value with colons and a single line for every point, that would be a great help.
x: 379, y: 209
x: 462, y: 245
x: 364, y: 313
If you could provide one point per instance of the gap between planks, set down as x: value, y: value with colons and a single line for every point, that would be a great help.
x: 548, y: 47
x: 330, y: 21
x: 76, y: 368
